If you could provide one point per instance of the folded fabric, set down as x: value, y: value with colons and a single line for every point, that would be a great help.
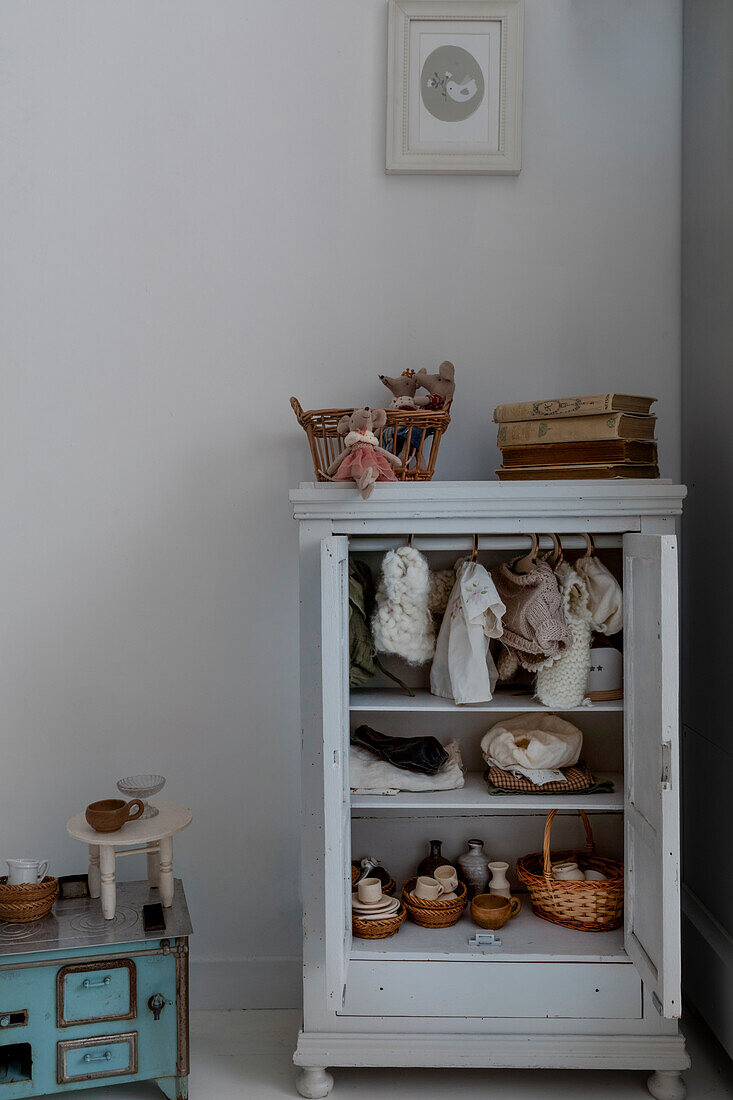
x: 599, y: 786
x: 605, y: 595
x: 463, y: 669
x: 576, y: 778
x: 535, y: 745
x: 534, y: 624
x: 415, y: 754
x: 367, y: 773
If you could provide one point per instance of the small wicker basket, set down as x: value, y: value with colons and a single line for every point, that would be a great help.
x: 587, y: 906
x: 441, y: 913
x: 27, y: 901
x: 423, y: 429
x: 377, y: 929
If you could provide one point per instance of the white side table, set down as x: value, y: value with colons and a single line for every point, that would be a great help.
x: 152, y: 835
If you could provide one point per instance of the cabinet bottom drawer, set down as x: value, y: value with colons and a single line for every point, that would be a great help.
x: 98, y: 1056
x: 600, y: 991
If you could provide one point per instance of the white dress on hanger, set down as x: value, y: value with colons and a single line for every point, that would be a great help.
x: 463, y: 669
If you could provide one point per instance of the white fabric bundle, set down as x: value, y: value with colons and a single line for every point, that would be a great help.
x: 605, y: 595
x: 368, y: 773
x: 565, y: 682
x: 535, y: 745
x: 463, y: 669
x: 403, y: 623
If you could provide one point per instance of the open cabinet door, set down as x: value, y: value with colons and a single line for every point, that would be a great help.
x: 651, y: 737
x: 337, y: 806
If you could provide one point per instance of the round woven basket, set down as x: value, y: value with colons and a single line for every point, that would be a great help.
x: 28, y: 901
x: 434, y: 914
x: 422, y: 429
x: 378, y: 929
x: 587, y: 906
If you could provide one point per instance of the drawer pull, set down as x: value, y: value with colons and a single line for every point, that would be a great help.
x: 105, y: 1056
x: 88, y: 984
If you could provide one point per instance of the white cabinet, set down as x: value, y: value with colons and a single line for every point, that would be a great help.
x: 550, y: 996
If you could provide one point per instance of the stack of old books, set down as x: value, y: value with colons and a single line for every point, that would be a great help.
x: 603, y: 435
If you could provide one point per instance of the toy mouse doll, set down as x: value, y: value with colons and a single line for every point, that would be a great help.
x: 362, y: 459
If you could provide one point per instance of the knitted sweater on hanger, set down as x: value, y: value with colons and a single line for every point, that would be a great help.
x: 534, y: 625
x: 564, y: 683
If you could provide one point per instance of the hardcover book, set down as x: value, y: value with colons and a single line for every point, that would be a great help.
x: 576, y: 429
x: 593, y: 404
x: 597, y: 451
x: 588, y: 472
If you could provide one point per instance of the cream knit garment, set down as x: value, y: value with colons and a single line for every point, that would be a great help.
x: 403, y: 623
x: 564, y: 683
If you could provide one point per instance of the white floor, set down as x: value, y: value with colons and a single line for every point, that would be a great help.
x: 247, y: 1056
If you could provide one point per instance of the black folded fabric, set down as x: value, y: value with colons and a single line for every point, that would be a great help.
x: 414, y: 754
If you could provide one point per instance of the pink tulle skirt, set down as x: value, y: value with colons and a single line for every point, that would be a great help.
x: 363, y: 457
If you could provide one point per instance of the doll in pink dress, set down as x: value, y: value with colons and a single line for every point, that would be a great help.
x: 362, y: 459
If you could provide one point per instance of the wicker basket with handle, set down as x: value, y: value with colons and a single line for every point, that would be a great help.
x: 587, y: 906
x: 422, y: 428
x: 28, y: 901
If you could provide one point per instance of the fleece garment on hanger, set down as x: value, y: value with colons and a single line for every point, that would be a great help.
x: 534, y: 624
x: 415, y: 754
x: 605, y: 595
x: 463, y: 669
x: 403, y: 623
x: 565, y: 683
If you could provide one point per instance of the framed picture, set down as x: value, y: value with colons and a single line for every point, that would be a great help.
x: 454, y: 86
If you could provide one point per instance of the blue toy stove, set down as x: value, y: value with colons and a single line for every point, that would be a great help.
x: 86, y: 1001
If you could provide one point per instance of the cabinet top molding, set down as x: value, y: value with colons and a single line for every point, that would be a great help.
x: 488, y: 500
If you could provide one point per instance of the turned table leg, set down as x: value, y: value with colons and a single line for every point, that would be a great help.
x: 108, y: 887
x: 93, y: 876
x: 165, y: 876
x: 153, y: 864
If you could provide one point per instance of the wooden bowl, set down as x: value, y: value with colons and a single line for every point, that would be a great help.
x: 492, y: 911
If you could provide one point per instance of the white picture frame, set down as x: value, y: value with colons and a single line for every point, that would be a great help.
x: 470, y: 120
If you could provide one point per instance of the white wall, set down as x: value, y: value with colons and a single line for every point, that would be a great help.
x: 195, y: 224
x: 707, y: 325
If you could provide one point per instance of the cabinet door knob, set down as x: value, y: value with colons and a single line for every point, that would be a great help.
x: 157, y: 1003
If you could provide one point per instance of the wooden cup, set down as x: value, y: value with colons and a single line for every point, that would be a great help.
x: 492, y: 911
x: 110, y: 814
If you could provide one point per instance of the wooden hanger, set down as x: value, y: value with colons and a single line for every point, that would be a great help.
x: 529, y: 561
x: 474, y: 555
x: 556, y: 556
x: 590, y: 546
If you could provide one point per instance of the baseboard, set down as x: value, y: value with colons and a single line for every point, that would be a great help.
x: 708, y: 967
x: 257, y: 982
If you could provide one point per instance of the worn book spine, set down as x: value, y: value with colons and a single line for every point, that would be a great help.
x: 575, y: 473
x: 560, y: 406
x: 572, y: 454
x: 576, y: 429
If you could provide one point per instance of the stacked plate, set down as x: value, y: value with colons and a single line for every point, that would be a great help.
x: 385, y: 907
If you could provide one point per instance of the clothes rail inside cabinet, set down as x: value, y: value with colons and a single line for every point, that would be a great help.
x: 465, y: 543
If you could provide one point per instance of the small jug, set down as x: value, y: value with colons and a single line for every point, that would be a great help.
x: 474, y: 867
x: 21, y: 871
x: 499, y: 882
x: 435, y: 859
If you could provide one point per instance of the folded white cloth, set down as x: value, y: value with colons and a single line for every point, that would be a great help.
x: 368, y: 773
x: 535, y: 745
x: 605, y: 595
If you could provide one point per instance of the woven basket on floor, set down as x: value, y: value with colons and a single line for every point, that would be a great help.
x: 441, y: 913
x: 423, y: 429
x: 27, y: 901
x: 377, y: 929
x: 587, y: 906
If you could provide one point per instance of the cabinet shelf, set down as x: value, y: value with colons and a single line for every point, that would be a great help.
x: 526, y: 938
x: 393, y: 699
x: 474, y: 798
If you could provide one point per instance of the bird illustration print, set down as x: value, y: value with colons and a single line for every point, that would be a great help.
x: 460, y: 91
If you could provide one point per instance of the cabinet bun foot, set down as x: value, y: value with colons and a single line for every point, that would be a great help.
x: 313, y: 1082
x: 665, y: 1085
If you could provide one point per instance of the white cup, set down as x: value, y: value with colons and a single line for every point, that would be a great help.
x: 428, y: 888
x: 447, y: 876
x: 369, y: 891
x: 594, y: 876
x: 568, y: 872
x: 26, y: 870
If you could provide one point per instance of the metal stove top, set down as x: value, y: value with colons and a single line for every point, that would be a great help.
x: 78, y: 922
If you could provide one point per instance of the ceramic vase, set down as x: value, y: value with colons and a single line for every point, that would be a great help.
x: 474, y: 867
x: 434, y: 859
x: 499, y: 882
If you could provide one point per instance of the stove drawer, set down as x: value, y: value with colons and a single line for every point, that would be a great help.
x: 88, y: 993
x: 100, y: 1056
